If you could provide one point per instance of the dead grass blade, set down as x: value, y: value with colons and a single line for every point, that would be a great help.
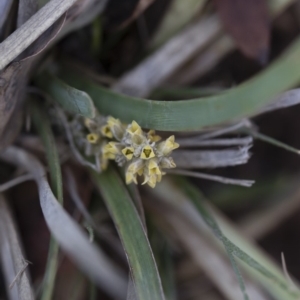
x: 149, y: 74
x: 7, y: 185
x: 5, y: 6
x: 215, y: 52
x: 27, y: 8
x: 194, y: 142
x: 12, y: 260
x: 193, y: 159
x: 67, y: 232
x: 204, y: 218
x: 221, y: 179
x: 202, y: 251
x: 24, y: 36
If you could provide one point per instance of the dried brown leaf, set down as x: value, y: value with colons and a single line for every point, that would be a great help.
x: 12, y: 84
x: 14, y: 78
x: 248, y: 24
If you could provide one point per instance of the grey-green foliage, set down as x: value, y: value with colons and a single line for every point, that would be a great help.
x: 245, y: 100
x: 132, y: 234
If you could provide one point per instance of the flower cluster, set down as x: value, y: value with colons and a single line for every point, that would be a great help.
x: 143, y: 154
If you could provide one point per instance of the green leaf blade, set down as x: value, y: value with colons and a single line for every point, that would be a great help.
x: 194, y: 114
x: 273, y: 280
x: 71, y: 99
x: 135, y: 242
x: 43, y: 127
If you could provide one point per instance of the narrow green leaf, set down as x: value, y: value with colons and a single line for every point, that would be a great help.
x: 163, y: 254
x: 277, y: 282
x: 71, y: 99
x: 216, y: 229
x: 134, y: 239
x: 178, y: 15
x: 236, y: 103
x: 43, y: 127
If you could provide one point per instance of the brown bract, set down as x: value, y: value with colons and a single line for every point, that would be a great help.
x: 248, y: 23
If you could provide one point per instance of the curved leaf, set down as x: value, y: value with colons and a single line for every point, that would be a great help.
x: 71, y: 99
x: 236, y: 103
x: 184, y: 194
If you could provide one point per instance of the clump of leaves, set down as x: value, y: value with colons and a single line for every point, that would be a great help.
x: 212, y: 130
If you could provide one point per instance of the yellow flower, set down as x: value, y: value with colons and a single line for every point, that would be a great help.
x: 167, y: 146
x: 112, y: 122
x: 134, y: 169
x: 150, y: 180
x: 130, y: 177
x: 152, y: 173
x: 152, y: 136
x: 137, y: 139
x: 153, y: 167
x: 105, y: 130
x: 167, y: 163
x: 134, y: 128
x: 128, y: 152
x: 111, y: 149
x: 93, y: 138
x: 147, y: 152
x: 90, y: 124
x: 103, y: 162
x: 116, y: 127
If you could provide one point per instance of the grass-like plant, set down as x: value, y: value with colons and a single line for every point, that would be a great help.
x: 136, y: 152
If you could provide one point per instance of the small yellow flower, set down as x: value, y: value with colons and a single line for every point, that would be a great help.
x: 111, y: 149
x: 134, y: 128
x: 116, y: 127
x: 167, y: 146
x: 106, y: 131
x: 93, y: 138
x: 128, y: 152
x: 150, y: 180
x: 144, y: 153
x: 103, y: 162
x: 137, y: 139
x: 90, y: 124
x: 113, y: 122
x: 147, y: 152
x: 167, y: 163
x: 130, y: 177
x: 134, y: 169
x: 152, y: 136
x: 153, y: 168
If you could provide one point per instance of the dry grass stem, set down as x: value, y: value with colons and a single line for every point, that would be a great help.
x: 225, y: 180
x: 7, y: 185
x: 149, y: 74
x: 205, y: 254
x: 24, y: 36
